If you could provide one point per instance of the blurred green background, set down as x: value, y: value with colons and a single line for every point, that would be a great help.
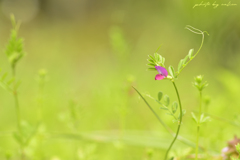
x: 94, y: 51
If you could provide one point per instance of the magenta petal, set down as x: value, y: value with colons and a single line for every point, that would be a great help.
x: 159, y: 77
x: 162, y: 71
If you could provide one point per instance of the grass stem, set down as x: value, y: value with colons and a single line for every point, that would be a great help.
x: 198, y: 126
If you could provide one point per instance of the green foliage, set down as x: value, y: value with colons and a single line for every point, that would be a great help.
x: 202, y: 119
x: 156, y: 60
x: 8, y: 84
x: 172, y: 72
x: 165, y: 102
x: 160, y: 95
x: 14, y: 48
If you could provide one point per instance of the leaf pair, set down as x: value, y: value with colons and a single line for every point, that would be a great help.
x: 202, y: 119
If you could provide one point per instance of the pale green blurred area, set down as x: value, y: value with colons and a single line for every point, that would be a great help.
x: 94, y: 51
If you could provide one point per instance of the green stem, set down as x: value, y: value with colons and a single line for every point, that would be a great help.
x: 16, y: 101
x: 179, y: 123
x: 15, y: 94
x: 198, y: 126
x: 17, y: 109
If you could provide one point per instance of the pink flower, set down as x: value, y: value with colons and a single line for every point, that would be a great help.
x: 162, y: 73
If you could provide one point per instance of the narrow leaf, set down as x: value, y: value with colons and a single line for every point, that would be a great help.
x: 151, y: 61
x: 157, y: 57
x: 160, y: 94
x: 171, y: 71
x: 4, y: 76
x: 163, y: 60
x: 164, y: 108
x: 190, y: 53
x: 10, y: 81
x: 166, y: 100
x: 180, y: 64
x: 174, y: 107
x: 185, y: 59
x: 194, y: 117
x: 152, y: 69
x: 151, y: 64
x: 152, y: 58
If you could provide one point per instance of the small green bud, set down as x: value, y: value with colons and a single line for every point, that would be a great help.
x: 198, y: 83
x: 199, y: 79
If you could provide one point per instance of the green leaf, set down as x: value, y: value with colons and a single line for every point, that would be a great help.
x: 184, y: 112
x: 163, y: 60
x: 194, y: 117
x: 166, y: 100
x: 152, y: 58
x: 151, y: 64
x: 10, y: 81
x: 160, y: 94
x: 160, y: 59
x: 4, y: 76
x: 180, y: 64
x: 185, y: 59
x: 164, y: 108
x: 174, y: 107
x: 151, y: 61
x: 152, y: 69
x: 204, y: 119
x: 157, y: 57
x: 171, y: 71
x: 190, y: 53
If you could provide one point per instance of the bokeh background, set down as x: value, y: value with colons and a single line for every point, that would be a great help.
x: 94, y: 52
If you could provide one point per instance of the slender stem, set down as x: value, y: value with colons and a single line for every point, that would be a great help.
x: 15, y: 94
x: 17, y: 109
x: 179, y: 123
x: 16, y: 101
x: 198, y: 125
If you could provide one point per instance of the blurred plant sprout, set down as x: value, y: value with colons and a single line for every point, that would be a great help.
x: 200, y: 85
x: 14, y: 52
x: 14, y: 49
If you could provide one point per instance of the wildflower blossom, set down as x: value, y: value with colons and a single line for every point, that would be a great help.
x: 163, y: 73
